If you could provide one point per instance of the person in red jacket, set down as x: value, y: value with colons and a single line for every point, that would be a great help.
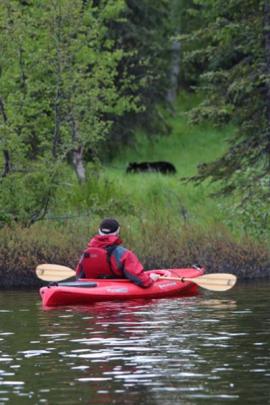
x: 105, y: 257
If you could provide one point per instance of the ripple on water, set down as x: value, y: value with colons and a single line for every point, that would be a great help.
x: 5, y: 359
x: 34, y: 353
x: 12, y: 383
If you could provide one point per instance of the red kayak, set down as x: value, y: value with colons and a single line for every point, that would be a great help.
x: 87, y: 291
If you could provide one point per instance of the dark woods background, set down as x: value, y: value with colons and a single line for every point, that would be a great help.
x: 78, y: 78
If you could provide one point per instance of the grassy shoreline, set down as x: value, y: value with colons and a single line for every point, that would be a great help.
x: 156, y: 246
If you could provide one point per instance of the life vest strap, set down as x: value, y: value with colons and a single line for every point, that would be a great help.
x: 110, y: 249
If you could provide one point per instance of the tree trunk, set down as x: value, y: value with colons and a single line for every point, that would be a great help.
x: 77, y: 160
x: 77, y: 152
x: 57, y: 122
x: 174, y: 71
x: 7, y: 163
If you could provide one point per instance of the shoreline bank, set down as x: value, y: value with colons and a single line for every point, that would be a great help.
x: 22, y: 249
x: 25, y: 278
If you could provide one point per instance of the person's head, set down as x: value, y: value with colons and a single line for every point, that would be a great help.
x: 109, y: 226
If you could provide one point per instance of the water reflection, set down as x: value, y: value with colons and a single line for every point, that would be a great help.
x: 191, y: 350
x: 218, y: 304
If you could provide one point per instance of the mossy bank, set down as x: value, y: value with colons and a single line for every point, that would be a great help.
x: 158, y: 245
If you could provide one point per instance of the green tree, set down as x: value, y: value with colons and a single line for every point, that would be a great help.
x: 144, y: 35
x: 232, y: 44
x: 58, y: 71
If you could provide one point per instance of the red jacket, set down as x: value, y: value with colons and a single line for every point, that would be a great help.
x: 123, y: 263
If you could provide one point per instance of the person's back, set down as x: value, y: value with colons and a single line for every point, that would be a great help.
x: 98, y: 260
x: 106, y: 258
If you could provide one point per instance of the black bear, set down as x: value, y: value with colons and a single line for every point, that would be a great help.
x: 161, y: 167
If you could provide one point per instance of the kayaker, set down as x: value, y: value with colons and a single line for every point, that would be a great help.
x: 105, y: 257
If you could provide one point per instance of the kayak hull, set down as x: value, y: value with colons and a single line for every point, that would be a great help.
x: 119, y: 289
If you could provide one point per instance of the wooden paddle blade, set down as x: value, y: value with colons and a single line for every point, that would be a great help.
x: 53, y: 272
x: 214, y: 281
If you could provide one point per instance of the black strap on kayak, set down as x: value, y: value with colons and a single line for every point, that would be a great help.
x: 80, y: 284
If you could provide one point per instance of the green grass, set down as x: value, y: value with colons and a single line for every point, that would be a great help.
x: 154, y: 197
x: 186, y: 147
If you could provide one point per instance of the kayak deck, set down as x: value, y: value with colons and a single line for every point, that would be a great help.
x: 76, y: 293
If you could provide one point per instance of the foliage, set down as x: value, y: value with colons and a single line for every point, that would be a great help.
x: 58, y: 70
x: 235, y: 81
x: 232, y: 44
x: 251, y: 211
x: 23, y: 248
x: 99, y: 195
x: 26, y: 198
x: 144, y: 35
x: 167, y: 223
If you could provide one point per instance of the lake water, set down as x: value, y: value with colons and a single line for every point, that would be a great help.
x: 208, y: 349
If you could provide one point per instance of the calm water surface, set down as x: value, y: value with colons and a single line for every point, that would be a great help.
x: 208, y: 349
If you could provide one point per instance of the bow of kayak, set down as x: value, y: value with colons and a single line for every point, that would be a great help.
x: 87, y: 291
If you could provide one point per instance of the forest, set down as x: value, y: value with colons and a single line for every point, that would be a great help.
x: 88, y: 86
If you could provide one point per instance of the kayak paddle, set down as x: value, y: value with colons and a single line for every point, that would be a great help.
x: 214, y: 281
